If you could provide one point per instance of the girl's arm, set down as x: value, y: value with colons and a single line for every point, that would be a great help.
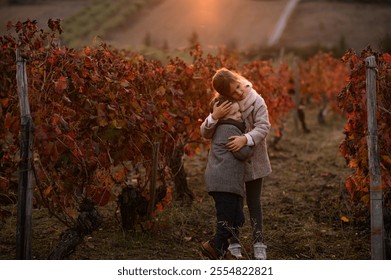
x: 244, y: 153
x: 221, y: 138
x: 219, y: 111
x: 208, y: 127
x: 258, y: 133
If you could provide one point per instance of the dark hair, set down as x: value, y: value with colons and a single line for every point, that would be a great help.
x: 219, y: 99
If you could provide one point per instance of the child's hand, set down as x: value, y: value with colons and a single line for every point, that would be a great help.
x: 236, y: 143
x: 220, y: 110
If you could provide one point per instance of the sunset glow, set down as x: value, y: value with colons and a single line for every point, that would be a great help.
x: 204, y: 13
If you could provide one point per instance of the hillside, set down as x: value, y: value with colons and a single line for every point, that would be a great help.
x: 242, y: 24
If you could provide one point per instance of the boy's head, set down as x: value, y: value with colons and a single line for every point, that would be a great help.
x: 234, y: 113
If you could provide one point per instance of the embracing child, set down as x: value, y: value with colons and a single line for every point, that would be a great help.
x: 255, y: 115
x: 224, y: 179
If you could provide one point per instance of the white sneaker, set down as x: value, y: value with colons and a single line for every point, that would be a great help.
x: 260, y: 251
x: 235, y: 249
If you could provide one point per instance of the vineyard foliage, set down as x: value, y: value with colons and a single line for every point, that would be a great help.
x: 322, y: 78
x: 353, y: 102
x: 98, y: 111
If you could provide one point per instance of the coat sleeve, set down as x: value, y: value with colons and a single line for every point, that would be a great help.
x: 244, y: 153
x: 221, y: 139
x: 261, y: 122
x: 207, y: 129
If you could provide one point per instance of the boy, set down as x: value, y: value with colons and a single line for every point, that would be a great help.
x: 224, y: 179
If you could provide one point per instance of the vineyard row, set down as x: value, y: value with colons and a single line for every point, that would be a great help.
x: 98, y: 113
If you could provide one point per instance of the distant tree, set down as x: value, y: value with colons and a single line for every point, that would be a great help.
x: 194, y: 39
x: 147, y: 40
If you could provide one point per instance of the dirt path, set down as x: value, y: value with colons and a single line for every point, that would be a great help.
x: 280, y: 26
x: 305, y: 198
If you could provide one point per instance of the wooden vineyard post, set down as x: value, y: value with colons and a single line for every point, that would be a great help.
x: 152, y: 186
x: 376, y: 193
x: 25, y: 193
x: 297, y: 93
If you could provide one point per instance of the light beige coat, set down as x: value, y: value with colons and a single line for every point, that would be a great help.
x: 255, y: 114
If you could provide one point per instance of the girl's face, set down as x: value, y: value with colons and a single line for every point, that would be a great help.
x: 238, y: 90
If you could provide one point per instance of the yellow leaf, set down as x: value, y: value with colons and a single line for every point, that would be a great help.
x: 345, y: 219
x: 102, y: 122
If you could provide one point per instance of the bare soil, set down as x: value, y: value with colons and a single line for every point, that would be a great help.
x: 307, y: 214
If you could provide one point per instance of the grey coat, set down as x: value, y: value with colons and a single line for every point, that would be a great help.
x: 257, y: 122
x: 225, y: 170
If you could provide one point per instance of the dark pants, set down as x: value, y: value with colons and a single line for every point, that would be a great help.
x: 230, y: 217
x: 253, y: 199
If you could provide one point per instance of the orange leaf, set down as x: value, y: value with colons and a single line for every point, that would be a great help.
x: 345, y: 219
x: 48, y: 190
x: 386, y: 159
x: 61, y: 84
x: 87, y: 51
x: 353, y: 163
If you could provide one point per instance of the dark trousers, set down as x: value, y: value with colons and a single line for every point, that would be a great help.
x: 253, y: 199
x: 230, y: 217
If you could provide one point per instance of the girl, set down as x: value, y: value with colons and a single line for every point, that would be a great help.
x: 256, y: 118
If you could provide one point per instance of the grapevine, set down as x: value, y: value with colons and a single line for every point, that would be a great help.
x: 352, y: 101
x: 99, y: 110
